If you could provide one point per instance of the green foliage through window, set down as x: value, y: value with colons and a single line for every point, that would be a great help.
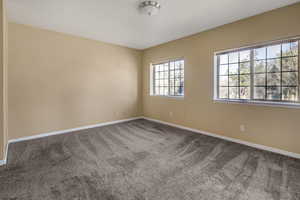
x: 264, y: 73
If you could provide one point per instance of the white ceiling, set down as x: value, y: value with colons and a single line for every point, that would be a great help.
x: 119, y: 21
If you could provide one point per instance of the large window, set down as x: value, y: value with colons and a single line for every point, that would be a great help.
x: 167, y: 79
x: 264, y: 74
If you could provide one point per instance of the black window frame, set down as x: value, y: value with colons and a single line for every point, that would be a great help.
x: 252, y: 60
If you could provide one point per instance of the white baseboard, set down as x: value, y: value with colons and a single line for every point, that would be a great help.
x: 257, y: 146
x: 3, y: 162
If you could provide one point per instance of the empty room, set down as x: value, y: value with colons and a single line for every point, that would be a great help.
x: 149, y: 100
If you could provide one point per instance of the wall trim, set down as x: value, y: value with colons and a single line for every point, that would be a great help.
x: 250, y: 144
x: 3, y: 162
x: 257, y: 146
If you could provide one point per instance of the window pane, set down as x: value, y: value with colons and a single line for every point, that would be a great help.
x: 233, y: 69
x: 224, y: 59
x: 259, y: 66
x: 161, y: 68
x: 157, y: 76
x: 156, y: 68
x: 274, y: 51
x: 181, y: 64
x: 166, y: 74
x: 233, y: 80
x: 223, y: 80
x: 178, y: 65
x: 172, y: 82
x: 273, y: 79
x: 166, y: 82
x: 244, y: 80
x: 290, y: 49
x: 182, y: 74
x: 260, y: 53
x: 259, y: 79
x: 166, y: 67
x: 181, y: 91
x: 245, y: 68
x: 233, y: 92
x: 223, y: 69
x: 245, y: 92
x: 290, y: 64
x: 290, y: 93
x: 172, y: 73
x: 223, y: 92
x: 295, y: 48
x: 161, y: 90
x: 178, y: 82
x: 156, y: 90
x: 273, y: 93
x: 172, y: 91
x: 161, y: 75
x: 178, y: 91
x: 259, y: 93
x: 234, y: 57
x: 275, y: 73
x: 290, y: 79
x: 172, y: 65
x: 273, y: 65
x: 177, y: 73
x: 166, y: 91
x: 245, y: 56
x: 161, y: 83
x: 158, y: 82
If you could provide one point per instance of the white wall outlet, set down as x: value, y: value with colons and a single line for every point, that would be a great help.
x: 242, y: 128
x: 171, y: 114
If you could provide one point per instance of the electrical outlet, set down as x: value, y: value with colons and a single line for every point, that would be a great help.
x: 242, y: 128
x: 171, y: 114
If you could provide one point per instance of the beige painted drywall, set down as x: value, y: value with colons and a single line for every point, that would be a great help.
x: 270, y: 126
x: 2, y: 138
x: 3, y: 67
x: 58, y: 81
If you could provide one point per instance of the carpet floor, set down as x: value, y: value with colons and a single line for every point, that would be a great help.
x: 143, y: 160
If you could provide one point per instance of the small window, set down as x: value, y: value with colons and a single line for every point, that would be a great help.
x: 264, y: 74
x: 167, y: 79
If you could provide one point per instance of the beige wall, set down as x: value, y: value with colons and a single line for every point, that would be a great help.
x: 57, y: 81
x: 270, y: 126
x: 2, y: 138
x: 3, y: 67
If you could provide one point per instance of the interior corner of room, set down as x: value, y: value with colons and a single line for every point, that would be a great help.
x: 53, y: 82
x: 45, y: 97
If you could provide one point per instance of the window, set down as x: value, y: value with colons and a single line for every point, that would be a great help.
x: 167, y: 79
x: 264, y: 74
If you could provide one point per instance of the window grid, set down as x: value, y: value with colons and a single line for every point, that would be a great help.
x: 284, y: 90
x: 172, y: 81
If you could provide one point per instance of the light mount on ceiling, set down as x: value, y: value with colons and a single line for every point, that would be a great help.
x: 150, y: 7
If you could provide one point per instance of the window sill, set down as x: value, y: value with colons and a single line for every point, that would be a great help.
x: 171, y: 97
x: 260, y: 103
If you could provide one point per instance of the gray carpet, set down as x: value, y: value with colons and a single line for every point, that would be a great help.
x: 143, y: 160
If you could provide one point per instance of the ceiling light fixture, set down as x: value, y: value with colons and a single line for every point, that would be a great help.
x: 149, y: 7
